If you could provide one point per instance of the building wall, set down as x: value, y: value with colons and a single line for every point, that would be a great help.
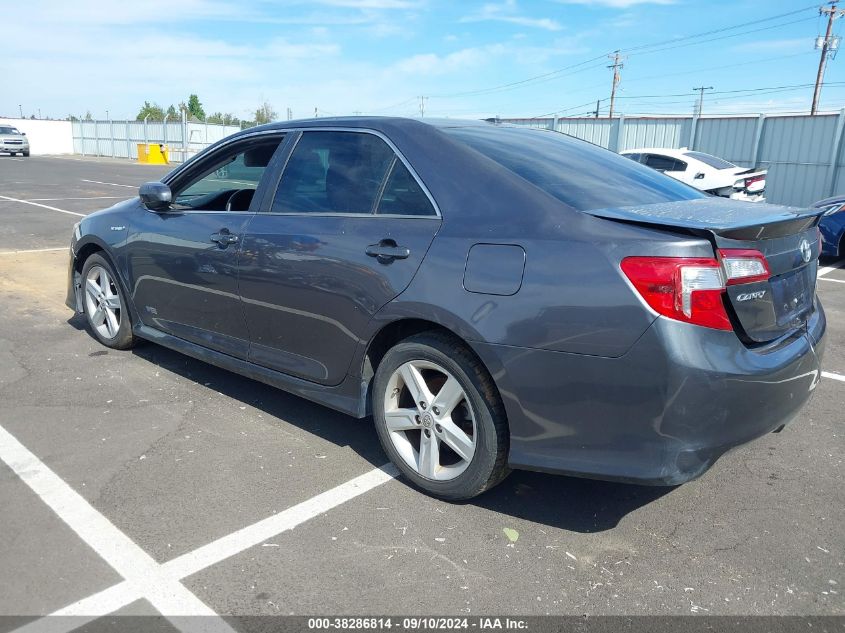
x: 45, y: 137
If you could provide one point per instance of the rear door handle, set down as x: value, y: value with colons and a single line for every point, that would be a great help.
x: 224, y: 237
x: 387, y: 250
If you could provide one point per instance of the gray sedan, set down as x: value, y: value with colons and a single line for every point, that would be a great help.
x: 495, y: 297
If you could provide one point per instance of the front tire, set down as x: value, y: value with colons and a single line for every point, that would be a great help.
x: 439, y: 417
x: 104, y: 304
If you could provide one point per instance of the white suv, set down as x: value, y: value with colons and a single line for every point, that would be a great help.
x: 13, y: 141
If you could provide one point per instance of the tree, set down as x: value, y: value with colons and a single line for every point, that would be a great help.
x: 195, y: 107
x: 265, y: 114
x: 88, y: 116
x: 172, y: 114
x: 219, y: 118
x: 72, y: 117
x: 151, y: 110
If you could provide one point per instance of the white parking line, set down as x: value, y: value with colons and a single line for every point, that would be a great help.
x: 140, y: 570
x: 826, y: 269
x: 831, y: 375
x: 113, y: 184
x: 83, y: 198
x: 839, y: 281
x: 35, y: 250
x: 43, y: 206
x: 144, y: 577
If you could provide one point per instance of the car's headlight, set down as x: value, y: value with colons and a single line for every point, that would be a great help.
x: 834, y: 208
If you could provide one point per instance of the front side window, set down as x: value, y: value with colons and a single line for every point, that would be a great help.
x: 334, y: 172
x: 228, y: 180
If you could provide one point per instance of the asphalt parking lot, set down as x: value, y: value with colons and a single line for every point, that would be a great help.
x: 188, y: 488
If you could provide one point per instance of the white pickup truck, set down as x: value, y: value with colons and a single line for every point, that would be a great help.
x: 703, y: 171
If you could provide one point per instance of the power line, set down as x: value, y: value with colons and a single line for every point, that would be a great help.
x: 720, y: 30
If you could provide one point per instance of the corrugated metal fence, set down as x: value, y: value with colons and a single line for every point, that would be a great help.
x: 805, y: 155
x: 120, y: 138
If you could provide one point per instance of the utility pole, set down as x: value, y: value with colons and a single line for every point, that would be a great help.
x: 617, y: 65
x: 20, y: 107
x: 290, y: 114
x: 598, y: 102
x: 829, y: 46
x: 701, y: 90
x: 422, y: 105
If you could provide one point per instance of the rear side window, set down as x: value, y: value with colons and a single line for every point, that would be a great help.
x: 707, y: 159
x: 580, y: 174
x: 334, y: 172
x: 665, y: 163
x: 403, y: 194
x: 635, y: 157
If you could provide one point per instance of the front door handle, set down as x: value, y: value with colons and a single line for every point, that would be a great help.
x: 224, y: 237
x: 387, y: 250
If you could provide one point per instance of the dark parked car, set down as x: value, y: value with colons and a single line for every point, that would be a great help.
x: 496, y: 297
x: 832, y: 225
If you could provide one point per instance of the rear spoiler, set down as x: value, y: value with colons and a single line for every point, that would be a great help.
x: 728, y: 218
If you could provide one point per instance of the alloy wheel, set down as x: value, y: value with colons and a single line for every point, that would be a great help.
x: 430, y: 420
x: 102, y: 302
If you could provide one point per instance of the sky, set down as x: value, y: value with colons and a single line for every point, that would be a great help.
x: 507, y: 58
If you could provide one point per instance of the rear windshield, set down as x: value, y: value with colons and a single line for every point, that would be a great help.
x: 707, y: 159
x: 578, y: 173
x: 8, y: 130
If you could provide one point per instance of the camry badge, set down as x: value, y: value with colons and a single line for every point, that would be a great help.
x: 806, y: 251
x: 748, y: 296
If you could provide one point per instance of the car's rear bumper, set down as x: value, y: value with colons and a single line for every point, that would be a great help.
x: 662, y: 413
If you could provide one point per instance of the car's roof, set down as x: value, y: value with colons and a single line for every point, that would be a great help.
x: 377, y: 122
x: 666, y: 151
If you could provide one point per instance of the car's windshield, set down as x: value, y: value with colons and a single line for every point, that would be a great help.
x: 8, y: 130
x: 578, y: 173
x: 713, y: 161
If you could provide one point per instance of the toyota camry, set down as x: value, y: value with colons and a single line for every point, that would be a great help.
x: 493, y: 297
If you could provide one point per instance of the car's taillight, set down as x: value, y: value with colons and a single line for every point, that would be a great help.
x: 686, y: 289
x: 753, y: 179
x: 744, y: 266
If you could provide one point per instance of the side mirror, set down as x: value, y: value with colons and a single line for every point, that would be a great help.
x: 23, y: 133
x: 156, y: 196
x: 699, y: 175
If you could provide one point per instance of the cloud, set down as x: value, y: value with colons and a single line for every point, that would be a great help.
x: 508, y: 12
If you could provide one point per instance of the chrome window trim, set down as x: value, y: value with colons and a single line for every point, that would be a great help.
x: 390, y: 144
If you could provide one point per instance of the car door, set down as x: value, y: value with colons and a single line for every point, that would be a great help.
x: 343, y: 234
x: 182, y: 263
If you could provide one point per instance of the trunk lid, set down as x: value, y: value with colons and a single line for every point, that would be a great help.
x: 786, y: 236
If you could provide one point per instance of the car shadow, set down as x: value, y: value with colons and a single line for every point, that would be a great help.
x: 569, y: 503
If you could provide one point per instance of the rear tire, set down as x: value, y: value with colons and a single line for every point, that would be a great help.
x: 104, y: 304
x: 439, y: 417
